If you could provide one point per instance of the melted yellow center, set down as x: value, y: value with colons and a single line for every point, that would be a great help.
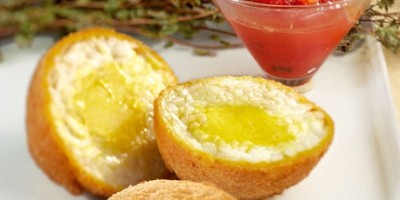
x: 106, y: 105
x: 244, y: 123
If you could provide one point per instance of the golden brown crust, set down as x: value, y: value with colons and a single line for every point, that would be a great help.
x: 243, y: 181
x: 41, y: 136
x: 172, y: 190
x: 45, y: 145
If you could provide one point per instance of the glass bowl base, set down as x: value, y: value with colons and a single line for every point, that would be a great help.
x: 289, y: 81
x: 302, y: 85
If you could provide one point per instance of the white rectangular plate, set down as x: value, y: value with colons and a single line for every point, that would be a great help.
x: 362, y: 164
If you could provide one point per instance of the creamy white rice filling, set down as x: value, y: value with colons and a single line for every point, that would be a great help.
x: 180, y: 109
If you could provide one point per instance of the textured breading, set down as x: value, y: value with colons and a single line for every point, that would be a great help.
x: 172, y: 190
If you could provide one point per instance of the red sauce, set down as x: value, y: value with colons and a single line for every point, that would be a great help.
x: 291, y: 54
x: 292, y: 45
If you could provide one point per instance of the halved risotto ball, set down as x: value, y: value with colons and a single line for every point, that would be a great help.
x: 90, y: 111
x: 249, y: 136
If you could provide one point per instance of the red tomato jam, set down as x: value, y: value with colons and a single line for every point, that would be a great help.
x: 293, y: 43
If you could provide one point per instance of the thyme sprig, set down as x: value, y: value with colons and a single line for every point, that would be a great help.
x: 378, y: 20
x: 386, y: 24
x: 161, y: 19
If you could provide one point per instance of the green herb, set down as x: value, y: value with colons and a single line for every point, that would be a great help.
x: 162, y: 19
x: 387, y: 24
x: 380, y: 22
x: 203, y: 52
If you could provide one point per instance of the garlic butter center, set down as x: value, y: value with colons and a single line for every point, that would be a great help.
x: 107, y: 107
x: 243, y: 123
